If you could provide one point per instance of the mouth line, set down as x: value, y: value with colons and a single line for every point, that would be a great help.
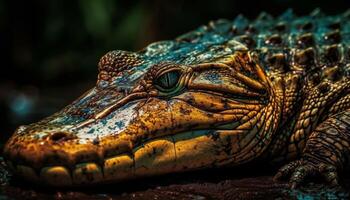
x: 156, y: 156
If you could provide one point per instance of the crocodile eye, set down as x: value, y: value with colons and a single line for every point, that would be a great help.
x: 168, y: 80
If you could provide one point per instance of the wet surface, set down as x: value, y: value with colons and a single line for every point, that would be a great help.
x: 206, y: 184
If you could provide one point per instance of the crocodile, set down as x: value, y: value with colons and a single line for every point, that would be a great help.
x: 267, y: 90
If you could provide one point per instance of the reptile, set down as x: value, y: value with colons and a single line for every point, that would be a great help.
x: 230, y: 93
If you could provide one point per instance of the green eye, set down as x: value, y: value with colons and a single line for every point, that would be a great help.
x: 168, y: 80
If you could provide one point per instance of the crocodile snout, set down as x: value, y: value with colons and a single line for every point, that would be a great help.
x: 51, y: 157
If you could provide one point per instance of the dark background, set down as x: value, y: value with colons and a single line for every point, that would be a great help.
x: 49, y: 49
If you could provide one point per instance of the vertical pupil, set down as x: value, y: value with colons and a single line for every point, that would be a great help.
x: 169, y: 79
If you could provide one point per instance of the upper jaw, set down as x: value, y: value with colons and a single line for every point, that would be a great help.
x: 41, y: 147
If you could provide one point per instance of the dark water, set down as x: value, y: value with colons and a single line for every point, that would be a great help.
x: 208, y: 184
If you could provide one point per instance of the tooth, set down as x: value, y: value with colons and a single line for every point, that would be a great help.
x: 27, y: 172
x: 86, y: 173
x: 155, y: 157
x: 118, y: 168
x: 57, y: 176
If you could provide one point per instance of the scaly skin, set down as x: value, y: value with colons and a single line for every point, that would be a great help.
x: 226, y: 94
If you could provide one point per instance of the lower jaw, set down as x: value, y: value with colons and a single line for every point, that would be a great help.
x: 177, y: 153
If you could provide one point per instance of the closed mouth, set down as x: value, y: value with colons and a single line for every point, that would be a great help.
x: 179, y: 152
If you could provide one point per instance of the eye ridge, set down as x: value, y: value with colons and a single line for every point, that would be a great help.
x: 168, y: 80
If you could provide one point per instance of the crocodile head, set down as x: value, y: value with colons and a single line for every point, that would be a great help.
x: 150, y: 115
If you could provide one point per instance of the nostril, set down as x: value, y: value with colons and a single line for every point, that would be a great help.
x: 59, y: 136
